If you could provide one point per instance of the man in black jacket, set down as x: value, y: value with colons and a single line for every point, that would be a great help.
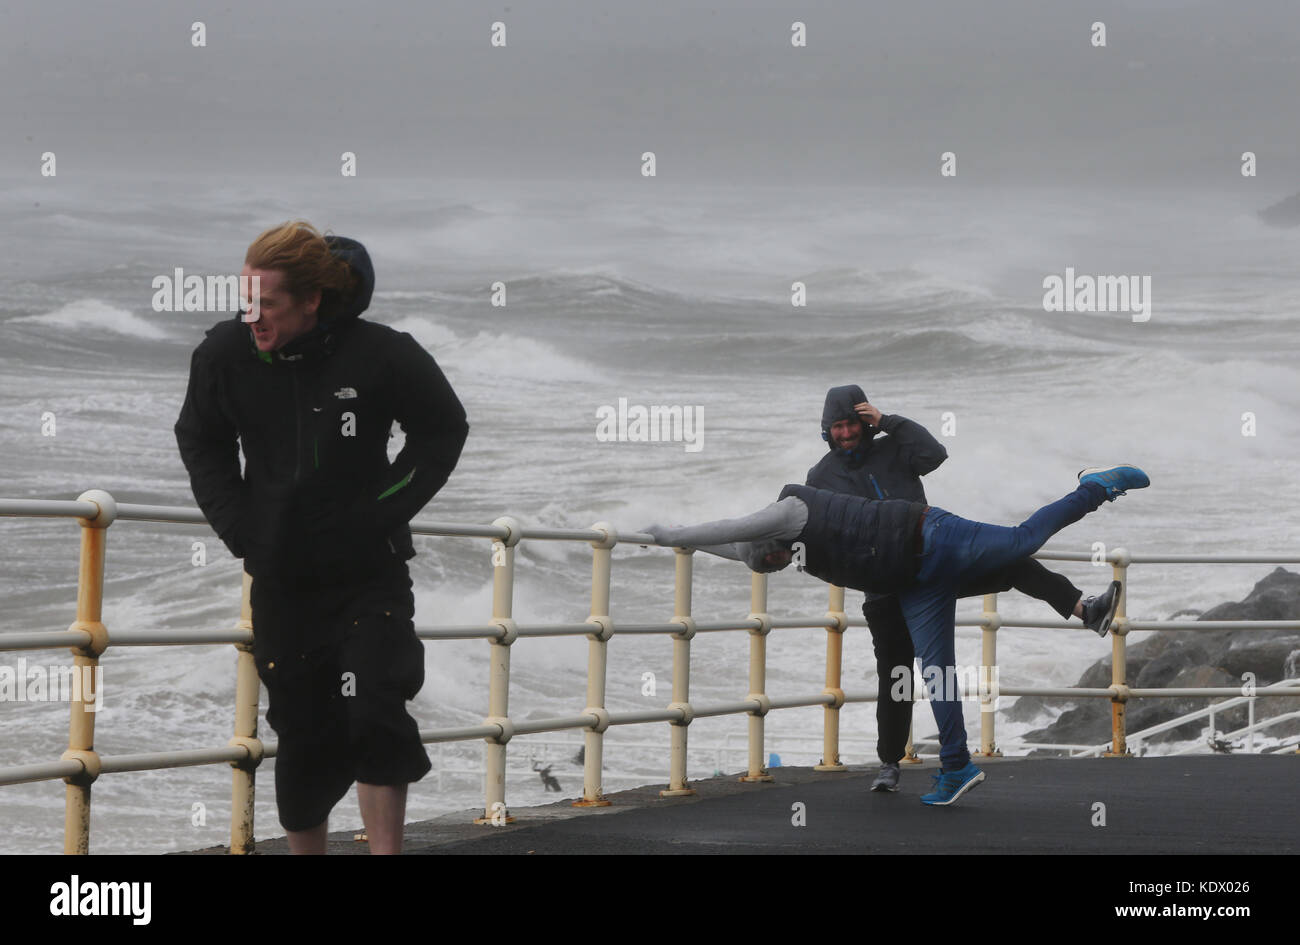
x: 891, y: 468
x: 320, y: 516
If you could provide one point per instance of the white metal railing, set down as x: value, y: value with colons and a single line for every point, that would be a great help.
x: 88, y: 638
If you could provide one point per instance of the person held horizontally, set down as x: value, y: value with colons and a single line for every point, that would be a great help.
x: 923, y: 553
x: 862, y: 463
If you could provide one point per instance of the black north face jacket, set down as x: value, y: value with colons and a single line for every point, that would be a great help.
x: 318, y: 500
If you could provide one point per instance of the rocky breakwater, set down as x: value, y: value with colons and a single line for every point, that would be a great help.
x: 1191, y: 659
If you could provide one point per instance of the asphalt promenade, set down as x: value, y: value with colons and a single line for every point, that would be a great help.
x: 1173, y: 805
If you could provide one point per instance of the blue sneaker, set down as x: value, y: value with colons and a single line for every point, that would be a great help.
x: 1116, y: 480
x: 950, y: 785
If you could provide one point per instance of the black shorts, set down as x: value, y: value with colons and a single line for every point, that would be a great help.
x: 339, y: 664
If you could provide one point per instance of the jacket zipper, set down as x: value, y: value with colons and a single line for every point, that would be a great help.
x: 297, y: 421
x: 879, y: 494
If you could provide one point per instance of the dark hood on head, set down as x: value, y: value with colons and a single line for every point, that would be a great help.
x: 352, y: 305
x: 839, y: 406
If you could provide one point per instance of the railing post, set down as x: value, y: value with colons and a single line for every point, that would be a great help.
x: 243, y: 777
x: 681, y: 673
x: 910, y: 756
x: 758, y: 676
x: 988, y: 680
x: 85, y: 661
x: 834, y: 660
x: 1120, y: 560
x: 597, y: 660
x: 503, y: 586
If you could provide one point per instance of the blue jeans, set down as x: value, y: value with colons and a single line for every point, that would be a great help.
x: 955, y: 550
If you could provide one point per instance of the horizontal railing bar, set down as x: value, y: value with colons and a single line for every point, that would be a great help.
x: 167, y: 514
x: 1046, y: 555
x: 44, y: 640
x: 650, y: 715
x: 824, y: 698
x: 533, y: 726
x: 153, y: 760
x: 804, y: 623
x: 562, y: 534
x: 1212, y: 692
x: 184, y: 515
x: 714, y: 626
x: 1214, y: 624
x: 447, y: 530
x: 461, y: 632
x: 459, y: 734
x: 54, y: 508
x: 649, y: 628
x: 559, y: 630
x: 1066, y: 692
x: 1004, y: 622
x: 112, y: 764
x: 727, y: 708
x: 1139, y: 557
x: 177, y: 638
x: 46, y: 771
x: 1157, y: 558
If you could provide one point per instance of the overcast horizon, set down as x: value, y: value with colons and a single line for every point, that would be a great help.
x: 1014, y: 88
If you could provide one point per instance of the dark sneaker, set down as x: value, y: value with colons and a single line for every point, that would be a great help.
x: 886, y: 779
x: 1098, y: 612
x: 1116, y: 480
x: 950, y: 785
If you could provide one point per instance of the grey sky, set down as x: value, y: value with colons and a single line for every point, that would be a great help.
x: 715, y: 89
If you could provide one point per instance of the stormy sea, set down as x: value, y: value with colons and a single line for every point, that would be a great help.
x: 932, y: 299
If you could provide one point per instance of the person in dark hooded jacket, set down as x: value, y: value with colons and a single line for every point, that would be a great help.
x: 890, y: 467
x: 319, y: 514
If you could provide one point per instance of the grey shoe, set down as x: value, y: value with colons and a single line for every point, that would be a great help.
x: 887, y: 778
x: 1098, y: 612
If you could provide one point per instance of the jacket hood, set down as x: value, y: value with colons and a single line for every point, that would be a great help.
x: 342, y: 312
x: 839, y: 406
x: 352, y: 305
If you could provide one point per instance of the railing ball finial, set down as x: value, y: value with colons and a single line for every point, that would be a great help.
x: 610, y: 533
x: 514, y: 531
x: 107, y: 508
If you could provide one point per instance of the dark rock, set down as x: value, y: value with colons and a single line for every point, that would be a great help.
x: 1276, y: 597
x: 1261, y: 653
x: 1285, y: 213
x: 1159, y: 672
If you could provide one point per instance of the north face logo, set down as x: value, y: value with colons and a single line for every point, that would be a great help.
x: 346, y: 393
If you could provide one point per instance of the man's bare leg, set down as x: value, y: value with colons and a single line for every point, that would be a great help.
x: 310, y: 841
x: 383, y: 811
